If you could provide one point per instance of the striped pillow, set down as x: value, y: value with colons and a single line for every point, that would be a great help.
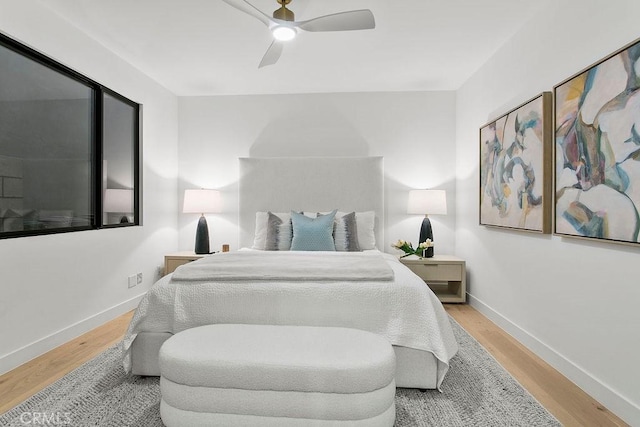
x: 345, y: 233
x: 262, y: 221
x: 279, y: 233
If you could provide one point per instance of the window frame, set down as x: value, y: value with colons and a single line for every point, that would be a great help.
x: 96, y: 144
x: 137, y: 217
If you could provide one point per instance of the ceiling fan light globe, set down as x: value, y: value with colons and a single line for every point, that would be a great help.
x: 283, y: 33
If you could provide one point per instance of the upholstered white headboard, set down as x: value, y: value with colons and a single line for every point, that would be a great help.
x: 312, y: 184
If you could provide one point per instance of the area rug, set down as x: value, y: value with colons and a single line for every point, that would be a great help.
x: 477, y: 391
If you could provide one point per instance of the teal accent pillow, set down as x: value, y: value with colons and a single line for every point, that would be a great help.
x: 312, y: 234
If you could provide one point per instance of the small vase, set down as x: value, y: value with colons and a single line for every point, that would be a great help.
x: 428, y: 253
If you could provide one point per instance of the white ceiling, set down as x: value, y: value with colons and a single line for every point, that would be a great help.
x: 206, y: 47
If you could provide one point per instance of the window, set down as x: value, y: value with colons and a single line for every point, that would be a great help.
x: 69, y: 148
x: 120, y: 159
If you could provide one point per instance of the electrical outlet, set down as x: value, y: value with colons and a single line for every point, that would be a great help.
x: 139, y: 279
x: 133, y: 280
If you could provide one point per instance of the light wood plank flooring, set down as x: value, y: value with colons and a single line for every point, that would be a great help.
x: 26, y: 380
x: 563, y: 399
x: 566, y: 401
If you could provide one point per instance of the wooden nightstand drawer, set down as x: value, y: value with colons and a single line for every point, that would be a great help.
x: 437, y: 272
x: 175, y: 260
x: 171, y: 264
x: 444, y: 274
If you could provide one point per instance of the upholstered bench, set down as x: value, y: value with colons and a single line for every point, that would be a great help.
x: 262, y: 375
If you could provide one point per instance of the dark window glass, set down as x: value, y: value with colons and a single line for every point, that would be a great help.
x: 119, y: 142
x: 45, y: 147
x: 68, y: 148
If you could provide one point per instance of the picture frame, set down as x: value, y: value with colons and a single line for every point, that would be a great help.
x: 597, y: 150
x: 516, y: 168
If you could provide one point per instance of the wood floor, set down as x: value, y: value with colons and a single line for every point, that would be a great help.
x: 563, y: 399
x: 566, y: 401
x: 33, y: 376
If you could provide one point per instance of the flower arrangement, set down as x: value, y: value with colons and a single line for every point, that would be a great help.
x: 407, y: 247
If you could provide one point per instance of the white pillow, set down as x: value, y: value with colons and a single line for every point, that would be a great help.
x: 366, y: 233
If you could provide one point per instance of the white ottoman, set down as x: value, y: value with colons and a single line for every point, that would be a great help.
x: 263, y: 375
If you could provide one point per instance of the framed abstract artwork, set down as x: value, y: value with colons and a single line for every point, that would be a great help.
x: 516, y: 166
x: 597, y: 150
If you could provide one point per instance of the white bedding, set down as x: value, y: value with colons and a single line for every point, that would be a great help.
x: 404, y: 310
x: 292, y: 266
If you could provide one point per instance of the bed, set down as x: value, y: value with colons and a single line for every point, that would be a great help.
x: 299, y: 287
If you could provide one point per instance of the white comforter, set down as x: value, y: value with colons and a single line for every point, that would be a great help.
x: 287, y: 266
x: 404, y: 310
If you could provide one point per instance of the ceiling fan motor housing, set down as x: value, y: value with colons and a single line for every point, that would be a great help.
x: 283, y: 13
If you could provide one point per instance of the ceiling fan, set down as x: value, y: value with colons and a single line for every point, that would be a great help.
x: 284, y: 27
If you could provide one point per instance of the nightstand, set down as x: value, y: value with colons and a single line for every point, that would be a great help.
x: 446, y: 275
x: 176, y: 259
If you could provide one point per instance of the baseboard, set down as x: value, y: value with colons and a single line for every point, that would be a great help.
x: 612, y: 400
x: 30, y: 351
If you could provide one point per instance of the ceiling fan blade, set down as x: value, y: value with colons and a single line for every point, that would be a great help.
x: 272, y: 54
x: 246, y: 7
x: 343, y: 21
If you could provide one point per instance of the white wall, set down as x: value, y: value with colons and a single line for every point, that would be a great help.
x: 573, y: 302
x: 55, y: 287
x: 414, y: 132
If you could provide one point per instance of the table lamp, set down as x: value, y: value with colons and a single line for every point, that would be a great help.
x: 119, y: 200
x: 201, y: 201
x: 427, y: 202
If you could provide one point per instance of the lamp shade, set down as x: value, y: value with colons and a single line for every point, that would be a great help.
x: 118, y: 200
x: 201, y: 201
x: 427, y: 202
